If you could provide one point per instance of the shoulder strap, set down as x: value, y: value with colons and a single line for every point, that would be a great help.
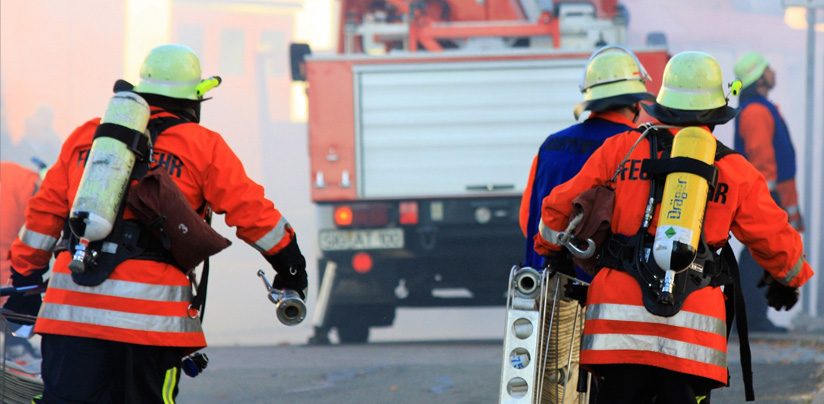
x: 736, y: 310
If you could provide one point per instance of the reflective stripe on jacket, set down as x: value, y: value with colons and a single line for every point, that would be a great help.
x: 559, y: 158
x: 143, y: 302
x: 762, y: 136
x: 618, y: 328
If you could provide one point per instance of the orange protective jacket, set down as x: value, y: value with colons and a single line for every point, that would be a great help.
x: 618, y: 329
x: 142, y: 302
x: 17, y: 185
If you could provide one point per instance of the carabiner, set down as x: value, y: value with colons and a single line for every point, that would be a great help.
x: 582, y: 254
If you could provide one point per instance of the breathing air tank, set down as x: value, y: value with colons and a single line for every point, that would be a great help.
x: 106, y: 175
x: 681, y: 217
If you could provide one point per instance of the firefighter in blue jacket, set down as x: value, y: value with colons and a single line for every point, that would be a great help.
x: 613, y: 87
x: 762, y: 136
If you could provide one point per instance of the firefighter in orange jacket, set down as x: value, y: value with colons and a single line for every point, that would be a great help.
x: 676, y: 355
x: 18, y: 185
x: 762, y: 136
x: 122, y: 340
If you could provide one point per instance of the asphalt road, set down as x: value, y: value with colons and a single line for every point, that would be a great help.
x: 787, y: 369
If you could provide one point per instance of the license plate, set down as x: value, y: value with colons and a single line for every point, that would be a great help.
x: 337, y: 240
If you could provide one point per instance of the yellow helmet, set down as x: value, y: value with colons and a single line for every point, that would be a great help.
x: 692, y: 92
x: 613, y: 77
x: 750, y: 67
x: 170, y: 70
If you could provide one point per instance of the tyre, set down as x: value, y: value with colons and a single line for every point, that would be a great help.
x: 353, y: 334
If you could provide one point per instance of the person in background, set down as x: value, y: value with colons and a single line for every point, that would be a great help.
x: 762, y: 136
x: 17, y: 185
x: 122, y: 340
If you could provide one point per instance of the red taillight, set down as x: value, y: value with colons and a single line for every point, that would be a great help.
x: 408, y: 213
x: 362, y: 215
x: 362, y: 262
x: 343, y: 216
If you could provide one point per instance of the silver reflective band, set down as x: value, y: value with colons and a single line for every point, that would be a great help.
x: 125, y: 289
x: 273, y: 237
x: 548, y: 234
x: 119, y: 319
x: 796, y: 269
x: 37, y: 240
x: 169, y: 83
x: 684, y: 319
x: 652, y: 343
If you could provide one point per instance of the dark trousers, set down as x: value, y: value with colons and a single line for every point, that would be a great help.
x: 640, y: 384
x: 94, y: 371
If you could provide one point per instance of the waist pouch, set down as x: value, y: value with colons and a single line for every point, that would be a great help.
x: 159, y: 204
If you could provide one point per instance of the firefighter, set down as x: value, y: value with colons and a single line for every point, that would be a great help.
x: 764, y: 139
x: 19, y: 184
x: 678, y: 354
x: 122, y: 340
x: 613, y: 88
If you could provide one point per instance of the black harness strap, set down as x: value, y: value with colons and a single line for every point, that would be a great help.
x: 128, y: 239
x: 137, y: 142
x: 736, y: 309
x: 626, y: 253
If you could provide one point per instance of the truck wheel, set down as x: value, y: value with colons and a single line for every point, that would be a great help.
x: 353, y: 333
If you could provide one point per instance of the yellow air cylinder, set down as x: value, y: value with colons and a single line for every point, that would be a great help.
x: 681, y: 216
x: 106, y: 174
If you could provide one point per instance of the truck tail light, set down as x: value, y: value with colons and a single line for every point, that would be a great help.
x: 362, y: 262
x: 408, y: 213
x: 362, y: 215
x: 343, y: 216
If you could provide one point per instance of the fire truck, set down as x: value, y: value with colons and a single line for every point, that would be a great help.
x: 422, y: 128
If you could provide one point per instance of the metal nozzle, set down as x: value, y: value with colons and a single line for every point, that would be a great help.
x: 289, y: 307
x: 527, y: 282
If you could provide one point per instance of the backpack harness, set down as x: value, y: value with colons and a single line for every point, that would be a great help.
x: 130, y: 239
x: 633, y: 255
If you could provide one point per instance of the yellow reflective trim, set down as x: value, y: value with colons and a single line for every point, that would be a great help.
x: 169, y: 386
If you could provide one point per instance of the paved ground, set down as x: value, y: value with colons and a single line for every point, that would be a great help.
x: 788, y: 369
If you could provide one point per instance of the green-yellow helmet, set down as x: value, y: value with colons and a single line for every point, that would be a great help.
x: 613, y: 77
x: 692, y: 85
x: 750, y: 67
x: 171, y: 70
x: 692, y: 81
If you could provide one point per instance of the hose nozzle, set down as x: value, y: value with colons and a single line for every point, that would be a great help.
x: 289, y: 307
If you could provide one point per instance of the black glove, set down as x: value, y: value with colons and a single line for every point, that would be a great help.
x: 290, y: 267
x: 562, y: 263
x: 778, y: 296
x: 27, y: 303
x: 576, y: 291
